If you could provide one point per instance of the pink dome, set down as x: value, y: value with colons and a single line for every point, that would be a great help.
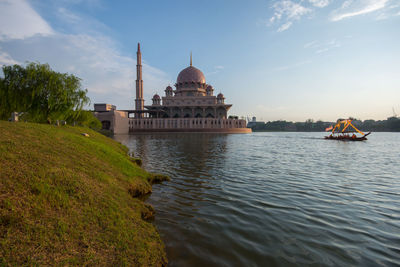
x: 210, y: 87
x: 169, y: 88
x: 191, y: 74
x: 156, y: 96
x: 220, y: 95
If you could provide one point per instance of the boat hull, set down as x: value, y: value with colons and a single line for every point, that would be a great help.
x: 347, y: 138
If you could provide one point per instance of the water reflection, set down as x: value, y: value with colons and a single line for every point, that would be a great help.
x: 274, y: 199
x: 191, y: 156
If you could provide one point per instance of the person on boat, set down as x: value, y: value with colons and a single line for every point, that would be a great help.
x: 354, y: 136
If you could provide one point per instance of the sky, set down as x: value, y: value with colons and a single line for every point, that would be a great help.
x: 276, y: 60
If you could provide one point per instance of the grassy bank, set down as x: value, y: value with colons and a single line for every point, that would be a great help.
x: 67, y: 199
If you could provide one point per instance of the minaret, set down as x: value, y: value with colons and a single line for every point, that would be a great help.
x: 139, y: 101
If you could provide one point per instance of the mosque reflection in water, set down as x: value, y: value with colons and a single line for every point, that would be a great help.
x: 198, y: 151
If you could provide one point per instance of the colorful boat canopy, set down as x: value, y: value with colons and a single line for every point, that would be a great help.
x: 344, y: 126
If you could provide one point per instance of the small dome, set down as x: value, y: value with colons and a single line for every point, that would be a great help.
x: 169, y: 88
x: 156, y: 96
x: 209, y: 87
x: 220, y: 95
x: 191, y: 74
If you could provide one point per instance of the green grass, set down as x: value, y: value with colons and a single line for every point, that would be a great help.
x: 67, y: 199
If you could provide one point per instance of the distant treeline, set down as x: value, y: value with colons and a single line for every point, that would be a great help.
x: 392, y: 124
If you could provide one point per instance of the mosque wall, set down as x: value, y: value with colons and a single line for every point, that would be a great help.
x: 114, y: 120
x: 219, y: 112
x: 184, y: 101
x: 187, y: 125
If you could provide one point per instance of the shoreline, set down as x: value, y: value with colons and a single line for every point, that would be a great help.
x: 77, y: 199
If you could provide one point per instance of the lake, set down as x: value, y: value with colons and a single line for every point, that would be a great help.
x: 275, y: 199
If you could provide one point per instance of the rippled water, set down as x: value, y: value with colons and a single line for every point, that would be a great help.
x: 275, y: 199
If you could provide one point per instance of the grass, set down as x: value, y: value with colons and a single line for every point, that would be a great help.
x: 67, y: 199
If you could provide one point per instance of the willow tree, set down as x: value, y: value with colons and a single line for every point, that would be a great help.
x: 41, y: 93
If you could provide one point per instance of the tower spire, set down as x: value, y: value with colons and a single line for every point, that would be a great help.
x: 139, y: 101
x: 190, y: 58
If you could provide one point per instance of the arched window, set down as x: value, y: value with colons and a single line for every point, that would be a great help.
x: 209, y: 115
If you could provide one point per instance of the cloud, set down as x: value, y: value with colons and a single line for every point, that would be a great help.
x: 19, y: 20
x: 320, y: 3
x: 322, y: 47
x: 68, y: 16
x: 285, y: 26
x: 382, y: 16
x: 311, y: 44
x: 287, y: 11
x: 355, y: 8
x: 108, y: 74
x: 77, y: 23
x: 389, y: 11
x: 6, y: 59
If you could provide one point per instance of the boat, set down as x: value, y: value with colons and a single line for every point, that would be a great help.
x: 344, y: 130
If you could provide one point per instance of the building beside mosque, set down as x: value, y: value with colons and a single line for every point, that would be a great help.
x: 190, y: 107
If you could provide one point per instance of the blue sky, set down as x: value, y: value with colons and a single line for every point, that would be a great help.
x: 283, y: 59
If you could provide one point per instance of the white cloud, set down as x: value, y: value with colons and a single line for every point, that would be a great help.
x: 394, y: 6
x: 350, y: 8
x: 285, y: 26
x: 6, y: 59
x: 382, y: 16
x: 311, y: 44
x: 322, y: 47
x: 389, y: 11
x: 346, y: 4
x: 68, y: 16
x: 288, y: 11
x: 320, y: 3
x: 108, y: 74
x: 285, y: 12
x: 329, y: 46
x: 19, y: 20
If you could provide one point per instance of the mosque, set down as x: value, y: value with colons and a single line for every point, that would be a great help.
x: 191, y: 107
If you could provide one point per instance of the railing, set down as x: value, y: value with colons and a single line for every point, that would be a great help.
x: 185, y: 123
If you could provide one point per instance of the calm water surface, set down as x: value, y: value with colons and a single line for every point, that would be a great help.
x: 275, y: 199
